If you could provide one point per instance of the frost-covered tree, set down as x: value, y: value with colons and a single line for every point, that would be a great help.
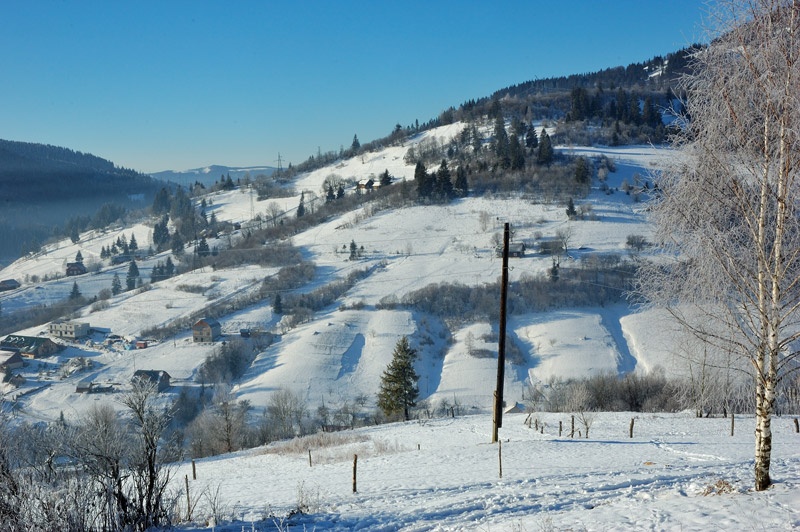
x: 729, y: 209
x: 399, y: 391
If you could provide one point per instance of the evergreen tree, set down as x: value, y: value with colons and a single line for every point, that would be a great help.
x: 157, y: 273
x: 582, y: 172
x: 202, y: 249
x: 399, y: 391
x: 353, y: 250
x: 132, y: 244
x: 301, y: 208
x: 571, y: 212
x: 580, y: 109
x: 461, y: 186
x: 650, y: 116
x: 423, y: 181
x: 176, y: 244
x: 161, y: 235
x: 517, y: 127
x: 501, y: 146
x: 385, y: 178
x: 74, y: 235
x: 169, y: 268
x: 444, y: 186
x: 277, y: 304
x: 516, y: 154
x: 356, y: 145
x: 76, y: 293
x: 133, y: 276
x: 330, y: 195
x: 162, y: 202
x: 545, y: 154
x: 634, y: 113
x: 340, y: 192
x: 116, y: 285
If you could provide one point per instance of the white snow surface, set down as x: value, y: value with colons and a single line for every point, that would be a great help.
x: 678, y: 472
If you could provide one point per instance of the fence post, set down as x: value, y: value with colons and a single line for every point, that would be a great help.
x: 630, y: 429
x: 355, y: 464
x: 194, y: 471
x: 572, y: 429
x: 500, y: 456
x: 559, y: 428
x: 732, y: 422
x: 309, y: 458
x: 188, y: 500
x: 796, y: 425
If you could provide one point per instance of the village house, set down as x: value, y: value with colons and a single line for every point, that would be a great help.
x: 9, y: 284
x: 30, y: 346
x: 206, y: 330
x: 69, y: 329
x: 10, y: 360
x: 160, y: 378
x: 75, y: 268
x: 365, y: 186
x: 88, y: 386
x: 515, y: 249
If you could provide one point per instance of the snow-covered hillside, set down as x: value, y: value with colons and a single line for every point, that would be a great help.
x: 340, y: 354
x: 677, y: 472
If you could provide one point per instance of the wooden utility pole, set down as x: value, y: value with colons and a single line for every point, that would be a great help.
x: 497, y: 418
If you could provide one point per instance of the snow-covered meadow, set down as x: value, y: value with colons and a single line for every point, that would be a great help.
x: 677, y: 472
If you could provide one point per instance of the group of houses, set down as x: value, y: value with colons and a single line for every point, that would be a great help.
x: 15, y: 348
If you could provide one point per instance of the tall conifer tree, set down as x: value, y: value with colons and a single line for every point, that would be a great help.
x: 399, y: 391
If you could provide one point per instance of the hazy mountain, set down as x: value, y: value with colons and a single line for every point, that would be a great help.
x: 208, y: 175
x: 43, y: 186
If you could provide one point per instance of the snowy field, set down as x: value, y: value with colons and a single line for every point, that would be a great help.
x: 678, y: 472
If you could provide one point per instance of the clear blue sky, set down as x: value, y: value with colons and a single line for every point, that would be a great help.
x: 159, y: 85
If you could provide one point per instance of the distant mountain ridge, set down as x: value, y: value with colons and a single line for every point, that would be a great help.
x: 42, y: 172
x: 43, y: 186
x: 208, y: 175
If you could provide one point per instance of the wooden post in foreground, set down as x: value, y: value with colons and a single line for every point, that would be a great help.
x: 500, y: 456
x: 497, y: 419
x: 188, y: 500
x: 630, y: 429
x: 355, y: 464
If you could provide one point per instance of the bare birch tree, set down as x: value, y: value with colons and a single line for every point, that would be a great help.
x: 728, y: 213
